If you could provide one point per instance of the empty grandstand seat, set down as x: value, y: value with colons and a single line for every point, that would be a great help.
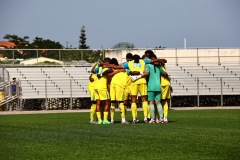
x: 42, y: 82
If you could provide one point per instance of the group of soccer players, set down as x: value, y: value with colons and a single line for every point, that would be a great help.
x: 111, y: 84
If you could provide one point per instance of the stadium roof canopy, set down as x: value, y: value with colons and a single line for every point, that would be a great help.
x: 123, y: 45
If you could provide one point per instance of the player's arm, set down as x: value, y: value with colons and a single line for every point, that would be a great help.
x: 167, y: 76
x: 163, y: 73
x: 162, y: 60
x: 152, y: 61
x: 109, y: 79
x: 106, y: 71
x: 146, y: 71
x: 106, y: 65
x: 141, y: 74
x: 103, y: 73
x: 123, y: 66
x: 135, y: 73
x: 94, y: 68
x: 117, y: 67
x: 111, y: 66
x: 111, y: 74
x: 90, y: 78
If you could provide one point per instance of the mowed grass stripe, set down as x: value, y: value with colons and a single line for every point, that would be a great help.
x: 191, y: 134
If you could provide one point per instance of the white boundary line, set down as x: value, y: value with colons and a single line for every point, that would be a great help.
x: 87, y: 110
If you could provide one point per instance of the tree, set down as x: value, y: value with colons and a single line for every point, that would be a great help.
x: 82, y: 41
x: 19, y: 41
x: 87, y: 55
x: 46, y: 44
x: 38, y: 43
x: 93, y: 56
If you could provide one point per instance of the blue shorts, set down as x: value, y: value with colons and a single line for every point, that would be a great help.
x: 154, y: 96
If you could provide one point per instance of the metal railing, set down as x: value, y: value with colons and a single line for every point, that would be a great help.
x: 207, y: 86
x: 10, y: 95
x: 14, y: 56
x: 173, y: 55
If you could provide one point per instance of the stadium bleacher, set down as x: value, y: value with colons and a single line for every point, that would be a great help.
x: 52, y: 82
x: 58, y: 87
x: 186, y: 80
x: 72, y: 81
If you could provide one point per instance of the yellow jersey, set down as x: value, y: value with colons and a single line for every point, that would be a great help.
x: 164, y: 80
x: 137, y: 67
x: 92, y: 84
x: 120, y: 79
x: 102, y: 82
x: 129, y: 81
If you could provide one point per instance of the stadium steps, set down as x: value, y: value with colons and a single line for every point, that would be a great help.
x: 32, y: 81
x: 184, y: 79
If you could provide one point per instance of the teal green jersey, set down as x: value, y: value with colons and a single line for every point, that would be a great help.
x: 154, y: 79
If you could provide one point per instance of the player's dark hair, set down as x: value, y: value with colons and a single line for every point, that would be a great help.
x: 149, y: 53
x: 107, y: 59
x: 129, y: 56
x: 114, y: 61
x: 136, y: 58
x: 144, y: 56
x: 152, y: 56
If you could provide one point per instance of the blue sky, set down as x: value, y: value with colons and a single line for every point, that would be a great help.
x: 145, y: 23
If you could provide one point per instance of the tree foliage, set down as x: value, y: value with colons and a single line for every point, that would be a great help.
x: 46, y: 44
x: 41, y: 43
x: 38, y: 43
x: 21, y: 42
x: 43, y: 46
x: 83, y: 39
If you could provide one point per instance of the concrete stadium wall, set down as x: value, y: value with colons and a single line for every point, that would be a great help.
x: 214, y: 56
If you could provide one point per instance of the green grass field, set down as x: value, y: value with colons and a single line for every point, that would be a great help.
x: 190, y: 134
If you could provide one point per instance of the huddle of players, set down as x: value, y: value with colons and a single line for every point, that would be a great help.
x: 111, y: 83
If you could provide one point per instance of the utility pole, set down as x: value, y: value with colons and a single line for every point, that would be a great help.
x: 66, y: 44
x: 185, y: 43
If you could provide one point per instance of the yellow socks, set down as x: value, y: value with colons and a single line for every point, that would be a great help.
x: 149, y: 114
x: 134, y: 110
x: 99, y: 115
x: 165, y: 108
x: 122, y: 110
x: 105, y: 116
x: 92, y: 111
x: 112, y: 110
